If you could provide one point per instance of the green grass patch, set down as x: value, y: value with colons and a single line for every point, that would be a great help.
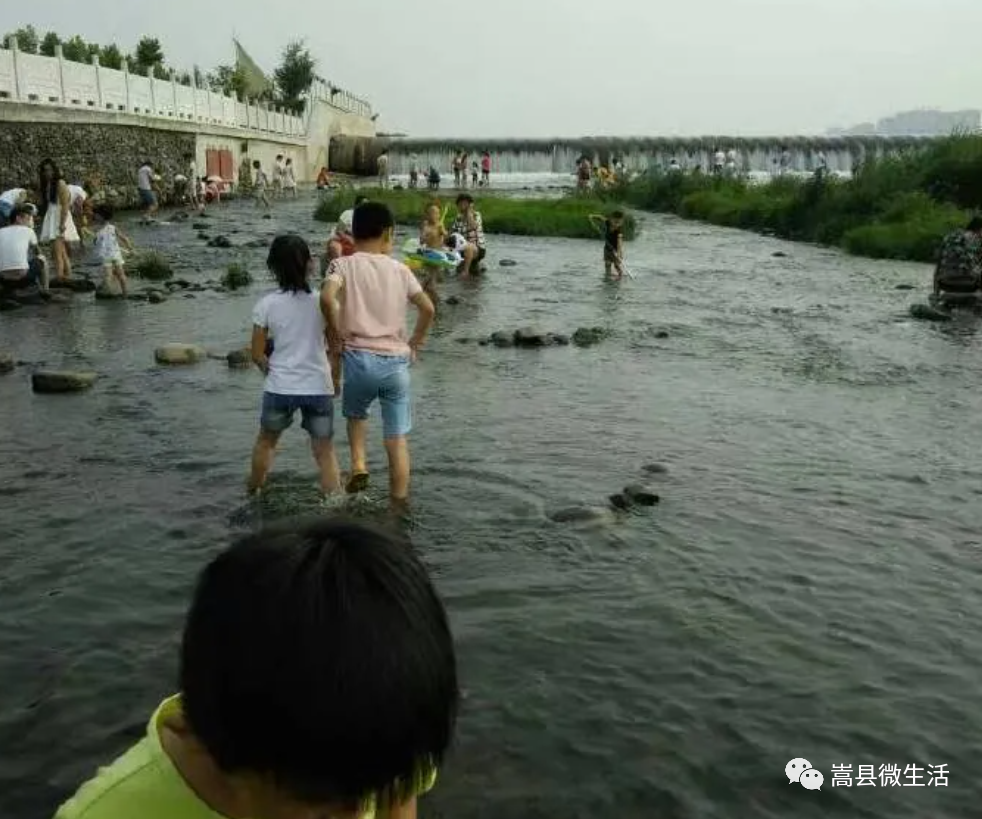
x: 236, y: 276
x: 152, y: 266
x: 897, y: 207
x: 564, y: 218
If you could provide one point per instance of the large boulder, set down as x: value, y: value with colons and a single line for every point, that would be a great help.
x: 61, y: 381
x: 531, y: 337
x: 178, y: 354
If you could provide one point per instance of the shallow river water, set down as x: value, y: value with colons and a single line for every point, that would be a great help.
x: 808, y: 587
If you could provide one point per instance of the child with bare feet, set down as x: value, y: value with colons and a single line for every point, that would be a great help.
x: 373, y: 289
x: 107, y: 247
x: 298, y: 374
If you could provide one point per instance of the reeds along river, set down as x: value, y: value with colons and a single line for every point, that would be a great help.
x: 808, y: 587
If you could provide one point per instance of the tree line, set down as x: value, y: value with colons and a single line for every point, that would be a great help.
x: 292, y: 79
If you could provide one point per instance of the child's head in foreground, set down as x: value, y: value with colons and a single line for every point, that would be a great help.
x: 616, y: 218
x: 289, y: 260
x: 373, y: 224
x: 317, y: 656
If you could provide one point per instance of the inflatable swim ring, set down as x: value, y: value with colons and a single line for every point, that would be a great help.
x: 417, y: 257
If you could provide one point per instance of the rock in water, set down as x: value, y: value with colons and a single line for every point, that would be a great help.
x: 531, y: 337
x: 75, y: 284
x: 581, y: 514
x: 619, y: 501
x: 508, y: 263
x: 220, y: 241
x: 452, y: 300
x: 50, y: 381
x: 267, y: 216
x: 199, y: 226
x: 641, y: 495
x: 779, y: 254
x: 500, y: 338
x: 559, y: 339
x: 655, y: 469
x: 179, y: 354
x: 927, y: 313
x: 7, y: 363
x: 904, y: 287
x: 156, y: 297
x: 239, y: 359
x: 588, y: 336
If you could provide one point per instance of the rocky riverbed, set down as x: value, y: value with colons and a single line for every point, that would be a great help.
x: 807, y: 584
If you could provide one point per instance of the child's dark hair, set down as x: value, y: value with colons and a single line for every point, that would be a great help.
x: 465, y: 197
x: 617, y: 214
x: 371, y: 220
x: 319, y: 654
x: 256, y: 163
x: 289, y: 261
x: 104, y: 211
x: 359, y: 199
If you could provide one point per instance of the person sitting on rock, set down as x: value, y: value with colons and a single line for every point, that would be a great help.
x: 342, y: 243
x: 471, y: 226
x: 959, y: 267
x: 21, y: 264
x: 323, y: 179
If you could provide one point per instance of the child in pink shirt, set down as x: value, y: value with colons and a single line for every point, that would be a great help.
x: 373, y: 290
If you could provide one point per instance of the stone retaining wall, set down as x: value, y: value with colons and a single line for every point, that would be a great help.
x: 114, y: 152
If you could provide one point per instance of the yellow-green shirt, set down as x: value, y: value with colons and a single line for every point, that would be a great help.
x: 143, y: 783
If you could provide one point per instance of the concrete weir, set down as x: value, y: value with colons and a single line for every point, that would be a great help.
x: 559, y: 155
x: 94, y: 120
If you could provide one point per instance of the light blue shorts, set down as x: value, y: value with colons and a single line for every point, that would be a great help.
x: 368, y: 376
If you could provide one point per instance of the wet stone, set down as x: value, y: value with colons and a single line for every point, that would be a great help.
x: 52, y: 381
x: 178, y: 354
x: 7, y: 363
x: 581, y: 514
x: 220, y: 241
x: 507, y: 263
x: 75, y: 284
x: 655, y: 469
x: 239, y: 359
x: 502, y: 338
x: 531, y: 337
x: 588, y: 336
x: 156, y: 297
x: 641, y: 495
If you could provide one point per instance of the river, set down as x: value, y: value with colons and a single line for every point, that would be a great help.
x: 808, y: 587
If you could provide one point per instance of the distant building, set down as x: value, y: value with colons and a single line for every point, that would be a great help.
x: 923, y: 122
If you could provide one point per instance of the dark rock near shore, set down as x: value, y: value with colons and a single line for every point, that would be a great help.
x: 641, y: 495
x: 500, y: 338
x: 220, y: 241
x: 7, y: 363
x: 588, y: 336
x: 199, y: 226
x: 51, y: 381
x: 75, y: 284
x: 156, y: 297
x: 507, y: 263
x: 662, y: 334
x: 452, y: 300
x: 267, y: 216
x: 779, y: 254
x: 905, y: 287
x: 619, y: 501
x: 203, y: 236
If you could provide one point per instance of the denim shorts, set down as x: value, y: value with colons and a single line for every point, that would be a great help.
x: 147, y: 198
x: 317, y: 412
x: 368, y: 376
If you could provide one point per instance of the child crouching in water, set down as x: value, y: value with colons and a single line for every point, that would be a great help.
x: 318, y: 680
x: 374, y: 289
x: 298, y: 374
x: 613, y: 228
x: 108, y: 239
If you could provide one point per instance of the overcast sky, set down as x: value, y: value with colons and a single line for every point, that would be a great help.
x: 540, y: 68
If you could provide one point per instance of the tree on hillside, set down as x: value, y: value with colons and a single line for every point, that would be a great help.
x: 294, y: 76
x: 49, y: 43
x: 111, y: 57
x: 228, y: 80
x: 148, y: 55
x: 76, y: 50
x: 161, y: 72
x: 27, y: 39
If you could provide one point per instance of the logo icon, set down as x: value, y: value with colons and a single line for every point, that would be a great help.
x: 800, y: 771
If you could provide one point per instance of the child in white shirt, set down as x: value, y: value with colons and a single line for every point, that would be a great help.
x: 108, y: 239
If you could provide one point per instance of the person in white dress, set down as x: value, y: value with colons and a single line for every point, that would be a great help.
x: 290, y: 178
x: 58, y: 228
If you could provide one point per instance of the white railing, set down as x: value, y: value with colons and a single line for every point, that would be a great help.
x: 57, y: 82
x: 340, y: 99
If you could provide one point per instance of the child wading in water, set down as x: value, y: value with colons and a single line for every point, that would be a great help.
x: 298, y: 373
x: 613, y: 227
x: 260, y: 183
x: 107, y: 247
x: 432, y: 236
x: 318, y: 680
x: 373, y: 289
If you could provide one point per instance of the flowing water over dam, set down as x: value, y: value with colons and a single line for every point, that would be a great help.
x: 809, y: 586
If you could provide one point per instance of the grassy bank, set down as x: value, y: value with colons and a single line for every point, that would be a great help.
x: 564, y: 218
x: 895, y: 208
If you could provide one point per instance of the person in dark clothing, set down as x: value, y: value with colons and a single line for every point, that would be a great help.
x: 613, y: 230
